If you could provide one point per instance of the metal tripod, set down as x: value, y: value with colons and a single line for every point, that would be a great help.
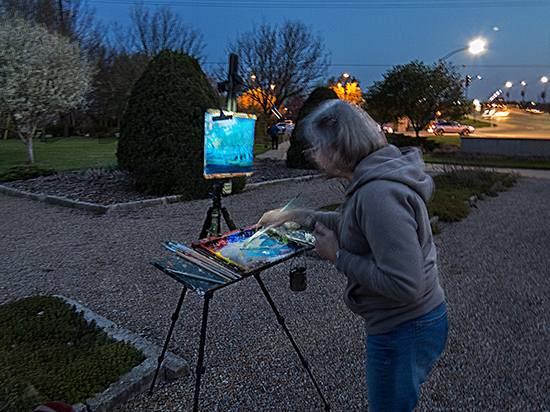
x: 212, y: 223
x: 200, y: 363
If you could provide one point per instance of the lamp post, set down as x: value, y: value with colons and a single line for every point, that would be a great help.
x: 544, y: 80
x: 343, y: 84
x: 508, y: 86
x: 523, y: 84
x: 475, y: 47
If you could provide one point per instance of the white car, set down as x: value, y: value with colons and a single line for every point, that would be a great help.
x: 286, y: 126
x: 440, y: 127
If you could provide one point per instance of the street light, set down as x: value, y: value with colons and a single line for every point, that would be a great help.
x: 508, y: 85
x: 475, y: 47
x: 544, y: 80
x: 344, y: 84
x: 523, y: 84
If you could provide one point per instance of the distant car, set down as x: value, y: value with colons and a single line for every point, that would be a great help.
x: 440, y: 127
x: 387, y: 128
x: 286, y: 126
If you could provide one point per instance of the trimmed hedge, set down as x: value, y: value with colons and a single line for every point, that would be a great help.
x: 296, y: 158
x: 162, y: 133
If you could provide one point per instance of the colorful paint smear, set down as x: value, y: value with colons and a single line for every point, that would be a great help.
x: 247, y: 252
x: 228, y: 144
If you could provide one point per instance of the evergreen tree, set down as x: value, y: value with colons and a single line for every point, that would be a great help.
x: 162, y: 134
x: 296, y: 158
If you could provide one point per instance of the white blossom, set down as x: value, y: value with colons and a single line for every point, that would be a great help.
x: 41, y: 73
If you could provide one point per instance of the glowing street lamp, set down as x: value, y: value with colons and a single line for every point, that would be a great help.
x: 544, y: 80
x: 475, y: 47
x: 523, y: 84
x: 508, y: 85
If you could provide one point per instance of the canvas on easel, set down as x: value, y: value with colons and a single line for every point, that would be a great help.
x: 228, y: 144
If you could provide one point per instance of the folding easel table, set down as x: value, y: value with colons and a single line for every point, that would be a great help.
x: 206, y: 277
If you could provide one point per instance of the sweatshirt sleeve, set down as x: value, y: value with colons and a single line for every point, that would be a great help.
x: 395, y: 267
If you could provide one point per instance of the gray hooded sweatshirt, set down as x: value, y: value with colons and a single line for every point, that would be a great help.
x: 387, y: 251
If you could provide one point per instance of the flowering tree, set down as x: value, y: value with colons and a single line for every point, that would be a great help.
x: 41, y: 73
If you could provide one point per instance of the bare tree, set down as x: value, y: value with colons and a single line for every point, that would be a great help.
x: 149, y: 33
x: 71, y: 18
x: 280, y: 62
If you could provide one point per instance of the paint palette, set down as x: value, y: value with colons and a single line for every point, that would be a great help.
x: 247, y: 252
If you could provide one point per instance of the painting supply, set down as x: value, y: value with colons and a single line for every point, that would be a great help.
x: 200, y: 261
x: 298, y: 280
x: 235, y: 249
x: 264, y: 229
x: 197, y: 277
x: 216, y: 266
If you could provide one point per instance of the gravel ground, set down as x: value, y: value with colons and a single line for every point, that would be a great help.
x: 107, y: 188
x: 494, y: 269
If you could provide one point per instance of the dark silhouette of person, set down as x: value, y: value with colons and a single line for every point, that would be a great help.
x: 274, y: 133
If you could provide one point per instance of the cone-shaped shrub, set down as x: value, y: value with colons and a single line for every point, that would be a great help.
x: 162, y: 133
x: 296, y: 158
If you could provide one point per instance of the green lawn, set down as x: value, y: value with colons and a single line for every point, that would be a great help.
x: 63, y: 154
x: 60, y: 154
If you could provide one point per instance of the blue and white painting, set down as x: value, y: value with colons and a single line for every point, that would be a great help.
x: 228, y: 144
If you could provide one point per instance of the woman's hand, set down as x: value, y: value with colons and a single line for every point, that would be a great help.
x: 276, y: 218
x: 326, y: 242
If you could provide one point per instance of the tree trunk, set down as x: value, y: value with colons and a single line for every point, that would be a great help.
x: 27, y: 139
x: 43, y: 134
x: 30, y: 151
x: 66, y: 125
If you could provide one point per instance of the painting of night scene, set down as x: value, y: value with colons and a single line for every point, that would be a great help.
x: 228, y: 144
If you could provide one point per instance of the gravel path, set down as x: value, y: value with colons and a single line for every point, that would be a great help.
x: 494, y: 268
x: 110, y: 187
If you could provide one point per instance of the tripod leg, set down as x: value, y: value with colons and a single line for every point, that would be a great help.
x: 200, y: 367
x: 228, y: 220
x: 161, y: 357
x: 281, y: 320
x: 206, y: 225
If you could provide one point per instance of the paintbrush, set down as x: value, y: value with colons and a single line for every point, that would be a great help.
x: 193, y: 276
x: 265, y: 229
x: 185, y: 253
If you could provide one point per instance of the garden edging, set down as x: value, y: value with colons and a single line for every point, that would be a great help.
x: 101, y: 209
x: 139, y: 379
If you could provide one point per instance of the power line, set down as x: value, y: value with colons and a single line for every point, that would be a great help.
x: 331, y: 4
x: 477, y: 66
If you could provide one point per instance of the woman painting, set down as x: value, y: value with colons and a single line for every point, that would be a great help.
x: 381, y: 240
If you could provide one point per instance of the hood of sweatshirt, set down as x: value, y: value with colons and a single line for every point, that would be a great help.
x: 403, y: 165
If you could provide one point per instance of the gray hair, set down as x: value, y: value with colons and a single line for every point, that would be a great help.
x: 342, y: 134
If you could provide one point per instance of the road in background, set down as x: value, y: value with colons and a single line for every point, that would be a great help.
x: 519, y: 124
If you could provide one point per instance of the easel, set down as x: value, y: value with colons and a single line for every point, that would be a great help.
x: 212, y: 221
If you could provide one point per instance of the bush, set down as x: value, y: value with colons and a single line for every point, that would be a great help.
x: 162, y: 132
x: 401, y: 140
x: 24, y: 173
x: 456, y: 186
x: 296, y: 158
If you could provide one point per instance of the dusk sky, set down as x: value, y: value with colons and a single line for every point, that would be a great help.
x: 366, y: 38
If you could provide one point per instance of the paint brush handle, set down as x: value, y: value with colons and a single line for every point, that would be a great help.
x: 288, y: 204
x: 192, y: 276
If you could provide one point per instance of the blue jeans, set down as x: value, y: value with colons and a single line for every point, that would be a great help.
x: 398, y: 362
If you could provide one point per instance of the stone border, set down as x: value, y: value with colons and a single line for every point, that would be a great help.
x: 139, y: 379
x: 101, y: 209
